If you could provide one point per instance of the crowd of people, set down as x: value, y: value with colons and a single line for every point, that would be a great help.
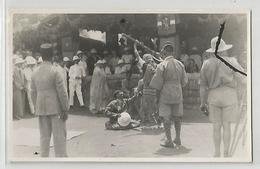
x: 157, y: 96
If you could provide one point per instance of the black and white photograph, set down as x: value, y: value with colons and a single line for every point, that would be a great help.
x: 129, y: 86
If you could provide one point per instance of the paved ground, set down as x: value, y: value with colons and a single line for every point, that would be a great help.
x: 98, y: 142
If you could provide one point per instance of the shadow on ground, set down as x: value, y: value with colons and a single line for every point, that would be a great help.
x: 172, y: 151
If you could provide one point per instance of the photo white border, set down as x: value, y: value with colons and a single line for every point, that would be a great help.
x: 116, y: 159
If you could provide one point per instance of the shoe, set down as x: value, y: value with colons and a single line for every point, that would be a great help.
x: 82, y: 107
x: 71, y: 107
x: 167, y: 144
x: 177, y: 142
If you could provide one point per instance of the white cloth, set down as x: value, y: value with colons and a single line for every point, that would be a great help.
x: 75, y: 85
x: 76, y: 71
x: 84, y: 67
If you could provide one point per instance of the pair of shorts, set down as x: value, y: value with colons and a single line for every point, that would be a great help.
x: 169, y: 111
x: 218, y: 114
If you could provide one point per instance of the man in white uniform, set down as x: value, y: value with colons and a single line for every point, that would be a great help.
x: 76, y: 74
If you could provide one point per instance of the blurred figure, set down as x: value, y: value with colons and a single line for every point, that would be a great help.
x: 107, y: 59
x: 91, y: 61
x: 120, y: 67
x: 39, y: 61
x: 191, y: 66
x: 149, y: 97
x: 76, y: 74
x: 28, y: 71
x: 113, y: 61
x: 64, y: 65
x: 18, y: 88
x: 127, y: 57
x: 99, y: 90
x: 196, y: 57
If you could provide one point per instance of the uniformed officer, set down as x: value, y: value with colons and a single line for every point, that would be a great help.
x: 169, y: 78
x: 76, y: 74
x: 51, y: 104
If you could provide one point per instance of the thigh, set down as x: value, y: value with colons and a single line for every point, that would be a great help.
x: 165, y: 111
x: 231, y: 113
x: 58, y: 126
x: 177, y: 110
x: 45, y: 126
x: 215, y: 114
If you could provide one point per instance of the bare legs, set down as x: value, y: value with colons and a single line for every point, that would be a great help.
x: 226, y: 138
x: 217, y: 138
x: 167, y: 129
x: 177, y: 126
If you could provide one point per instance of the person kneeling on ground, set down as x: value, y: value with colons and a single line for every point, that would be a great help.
x: 116, y: 110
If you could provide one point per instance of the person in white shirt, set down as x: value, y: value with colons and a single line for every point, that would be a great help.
x: 82, y: 61
x: 28, y: 71
x: 65, y: 63
x: 62, y: 69
x: 76, y: 74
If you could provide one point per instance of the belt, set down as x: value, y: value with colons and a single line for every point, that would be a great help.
x: 149, y: 91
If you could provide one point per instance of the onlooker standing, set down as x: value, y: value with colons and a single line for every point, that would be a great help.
x: 91, y: 61
x: 169, y: 78
x: 76, y: 74
x: 113, y: 61
x: 18, y: 89
x: 149, y: 97
x: 218, y: 92
x: 99, y: 90
x: 51, y: 102
x: 28, y: 71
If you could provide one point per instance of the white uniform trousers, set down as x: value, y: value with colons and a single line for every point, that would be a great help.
x: 52, y: 124
x: 75, y: 85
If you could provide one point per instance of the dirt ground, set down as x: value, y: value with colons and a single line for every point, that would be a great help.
x: 96, y: 141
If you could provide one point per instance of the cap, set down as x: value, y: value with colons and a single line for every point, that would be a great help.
x: 66, y: 59
x: 75, y: 58
x: 79, y: 52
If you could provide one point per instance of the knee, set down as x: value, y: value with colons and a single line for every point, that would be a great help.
x: 166, y: 121
x: 217, y: 127
x: 177, y: 119
x: 226, y: 126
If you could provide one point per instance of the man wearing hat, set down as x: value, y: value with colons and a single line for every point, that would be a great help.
x: 18, y: 88
x: 51, y: 104
x: 76, y: 74
x: 218, y: 92
x: 82, y: 61
x: 169, y: 78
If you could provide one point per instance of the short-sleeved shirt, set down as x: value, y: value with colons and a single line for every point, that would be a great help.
x: 220, y: 80
x: 215, y: 73
x: 169, y: 78
x: 76, y: 71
